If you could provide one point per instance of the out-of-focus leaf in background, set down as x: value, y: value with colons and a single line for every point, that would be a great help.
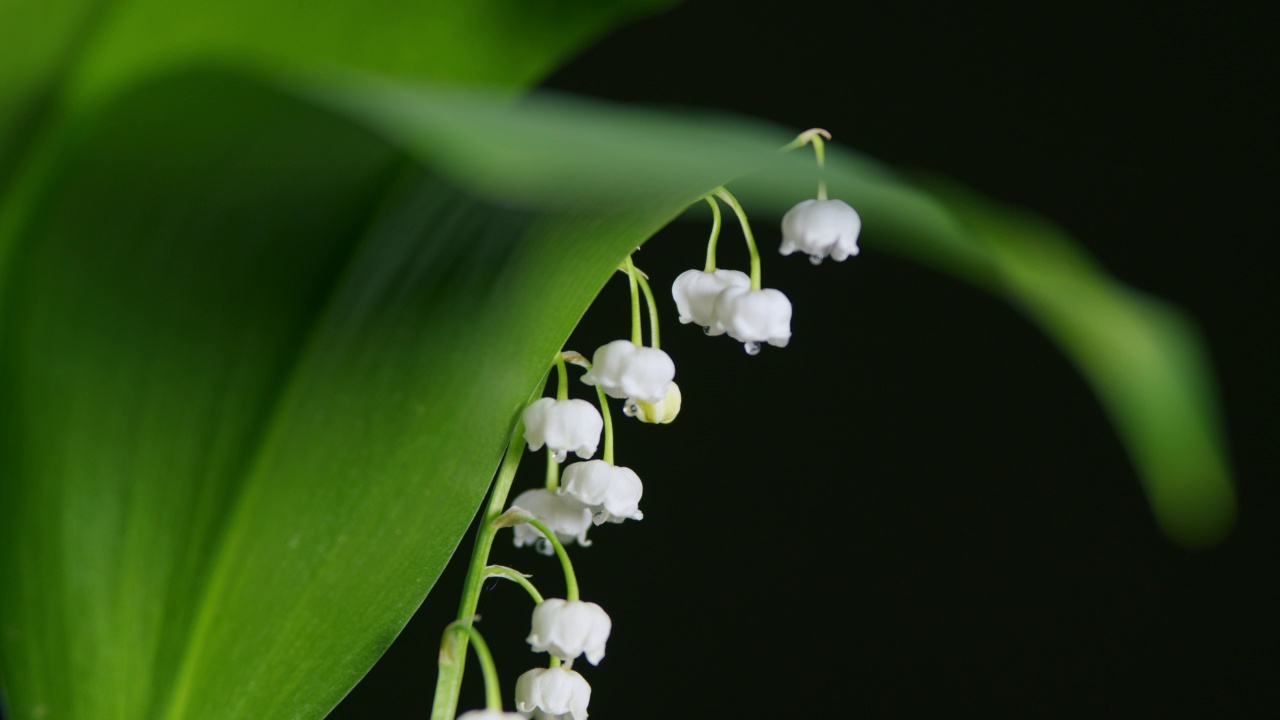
x: 263, y: 334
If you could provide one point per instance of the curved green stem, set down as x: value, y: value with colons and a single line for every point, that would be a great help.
x: 813, y: 136
x: 502, y: 571
x: 635, y: 302
x: 653, y: 308
x: 562, y: 375
x: 570, y: 578
x: 608, y: 425
x: 715, y: 233
x: 492, y: 690
x: 449, y: 677
x: 732, y: 202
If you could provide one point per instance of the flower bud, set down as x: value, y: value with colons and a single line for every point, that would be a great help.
x: 659, y: 413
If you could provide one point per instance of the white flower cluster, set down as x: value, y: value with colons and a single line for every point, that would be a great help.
x: 594, y: 492
x: 724, y: 301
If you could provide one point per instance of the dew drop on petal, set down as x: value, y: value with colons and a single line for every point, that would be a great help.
x: 706, y: 330
x: 543, y: 546
x: 560, y: 455
x: 752, y: 348
x: 630, y: 409
x: 815, y: 259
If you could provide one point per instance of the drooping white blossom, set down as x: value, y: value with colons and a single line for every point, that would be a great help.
x: 569, y: 628
x: 611, y: 492
x: 626, y: 370
x: 695, y: 293
x: 659, y: 413
x: 821, y: 229
x: 564, y: 426
x: 753, y: 316
x: 556, y: 693
x: 568, y: 517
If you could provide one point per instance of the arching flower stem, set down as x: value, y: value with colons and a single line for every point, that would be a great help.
x: 813, y: 136
x: 449, y: 677
x: 570, y: 578
x: 562, y: 375
x: 608, y: 425
x: 502, y: 571
x: 651, y: 304
x: 715, y: 233
x: 732, y: 202
x: 492, y: 689
x: 630, y: 269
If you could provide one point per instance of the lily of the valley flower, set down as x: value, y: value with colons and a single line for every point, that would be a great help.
x: 567, y: 517
x: 821, y: 229
x: 611, y: 492
x: 626, y: 370
x: 556, y: 693
x: 569, y: 628
x: 695, y: 293
x: 753, y: 316
x: 564, y: 426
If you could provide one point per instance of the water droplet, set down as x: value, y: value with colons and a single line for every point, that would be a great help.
x: 815, y: 259
x: 543, y: 546
x: 752, y: 348
x: 560, y: 455
x: 630, y: 409
x: 706, y: 330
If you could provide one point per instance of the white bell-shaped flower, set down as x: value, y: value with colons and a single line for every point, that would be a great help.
x: 821, y: 229
x: 754, y: 316
x: 556, y: 693
x: 564, y: 426
x: 695, y: 292
x: 613, y: 493
x: 490, y: 715
x: 568, y: 517
x: 659, y: 413
x: 569, y: 628
x: 624, y: 370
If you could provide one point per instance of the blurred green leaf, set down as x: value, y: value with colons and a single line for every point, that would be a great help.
x: 60, y: 55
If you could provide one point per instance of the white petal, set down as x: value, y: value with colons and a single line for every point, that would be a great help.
x: 820, y: 229
x: 623, y: 369
x: 563, y: 426
x: 695, y: 293
x: 754, y: 315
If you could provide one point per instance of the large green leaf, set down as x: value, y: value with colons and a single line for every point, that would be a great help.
x: 256, y: 369
x: 57, y: 56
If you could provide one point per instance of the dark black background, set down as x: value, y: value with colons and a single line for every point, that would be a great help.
x: 918, y: 508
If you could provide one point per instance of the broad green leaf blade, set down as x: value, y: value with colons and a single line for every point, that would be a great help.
x: 251, y: 400
x: 1142, y: 358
